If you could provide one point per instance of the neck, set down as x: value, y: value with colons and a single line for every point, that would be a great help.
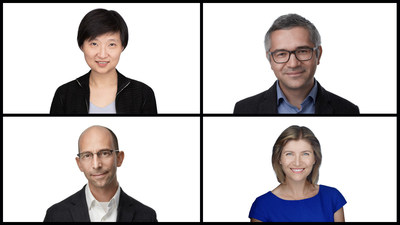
x: 104, y: 194
x: 296, y: 96
x: 298, y: 190
x: 103, y: 80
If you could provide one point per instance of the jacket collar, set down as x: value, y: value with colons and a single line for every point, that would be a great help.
x: 269, y: 103
x: 79, y: 210
x: 125, y: 212
x: 123, y: 82
x: 323, y: 101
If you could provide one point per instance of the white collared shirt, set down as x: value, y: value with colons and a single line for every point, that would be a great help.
x: 102, y: 211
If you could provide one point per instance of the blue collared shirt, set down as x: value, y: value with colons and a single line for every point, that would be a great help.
x: 307, y: 106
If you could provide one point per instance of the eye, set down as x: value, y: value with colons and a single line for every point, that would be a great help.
x: 85, y: 155
x: 280, y: 54
x: 288, y: 154
x: 105, y: 153
x: 93, y: 44
x: 303, y: 51
x: 113, y: 44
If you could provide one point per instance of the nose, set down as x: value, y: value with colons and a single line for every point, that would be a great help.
x: 297, y: 161
x: 293, y: 61
x: 102, y: 52
x: 96, y: 162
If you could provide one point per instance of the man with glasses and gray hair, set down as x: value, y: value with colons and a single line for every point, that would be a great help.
x: 102, y: 199
x: 293, y: 49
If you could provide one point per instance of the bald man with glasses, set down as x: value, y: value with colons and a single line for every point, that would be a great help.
x: 102, y: 199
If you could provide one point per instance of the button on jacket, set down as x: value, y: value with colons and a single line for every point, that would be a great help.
x: 133, y: 97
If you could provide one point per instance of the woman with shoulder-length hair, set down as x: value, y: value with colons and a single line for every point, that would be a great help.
x: 102, y: 36
x: 296, y: 158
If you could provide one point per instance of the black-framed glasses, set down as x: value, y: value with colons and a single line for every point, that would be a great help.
x: 102, y: 154
x: 301, y: 54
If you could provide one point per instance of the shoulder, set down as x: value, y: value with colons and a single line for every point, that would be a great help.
x: 331, y: 198
x: 340, y: 105
x: 74, y: 84
x: 132, y: 82
x: 137, y: 206
x: 251, y: 104
x: 329, y: 191
x: 61, y: 209
x: 267, y: 197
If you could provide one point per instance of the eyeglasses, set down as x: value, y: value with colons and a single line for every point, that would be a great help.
x: 102, y: 154
x: 301, y: 54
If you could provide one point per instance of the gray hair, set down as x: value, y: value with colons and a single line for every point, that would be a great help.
x: 289, y: 21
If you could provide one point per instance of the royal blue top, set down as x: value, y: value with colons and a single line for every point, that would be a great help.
x: 320, y: 208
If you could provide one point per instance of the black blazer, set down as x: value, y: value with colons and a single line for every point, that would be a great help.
x: 265, y: 103
x: 133, y: 97
x: 74, y: 209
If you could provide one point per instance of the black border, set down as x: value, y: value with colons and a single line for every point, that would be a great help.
x: 199, y: 115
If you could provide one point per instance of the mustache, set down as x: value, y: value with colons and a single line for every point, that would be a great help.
x: 294, y: 70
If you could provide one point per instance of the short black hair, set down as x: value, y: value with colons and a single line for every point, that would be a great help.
x: 101, y: 21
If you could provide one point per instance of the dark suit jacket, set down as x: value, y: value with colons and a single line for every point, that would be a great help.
x: 265, y: 103
x: 133, y: 97
x: 74, y: 209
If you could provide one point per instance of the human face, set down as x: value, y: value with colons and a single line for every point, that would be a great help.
x: 101, y: 173
x: 294, y: 74
x: 102, y: 53
x: 297, y: 160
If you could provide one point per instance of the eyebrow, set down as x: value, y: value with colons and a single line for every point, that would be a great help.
x: 281, y: 49
x: 98, y: 150
x: 293, y: 151
x: 95, y: 39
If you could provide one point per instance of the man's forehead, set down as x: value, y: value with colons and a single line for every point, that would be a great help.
x: 290, y: 38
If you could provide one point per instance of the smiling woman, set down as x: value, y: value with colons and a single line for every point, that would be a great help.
x: 102, y: 37
x: 296, y: 159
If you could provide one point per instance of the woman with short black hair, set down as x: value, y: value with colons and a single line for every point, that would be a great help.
x: 102, y: 36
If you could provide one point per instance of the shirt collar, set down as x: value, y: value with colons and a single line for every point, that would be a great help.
x: 280, y: 95
x: 91, y: 200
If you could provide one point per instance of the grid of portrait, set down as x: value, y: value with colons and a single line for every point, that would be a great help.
x: 199, y: 112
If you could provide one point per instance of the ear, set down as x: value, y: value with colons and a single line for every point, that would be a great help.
x: 120, y: 158
x: 319, y: 54
x: 78, y: 162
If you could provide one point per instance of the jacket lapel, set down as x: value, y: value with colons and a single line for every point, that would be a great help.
x: 83, y: 82
x: 125, y: 214
x: 268, y: 102
x: 322, y: 103
x: 79, y: 209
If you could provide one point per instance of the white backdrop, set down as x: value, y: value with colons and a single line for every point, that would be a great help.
x: 358, y: 60
x: 40, y: 52
x: 161, y: 167
x: 358, y: 158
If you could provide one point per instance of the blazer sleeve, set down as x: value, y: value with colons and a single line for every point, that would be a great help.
x: 57, y: 106
x: 49, y: 215
x: 149, y: 105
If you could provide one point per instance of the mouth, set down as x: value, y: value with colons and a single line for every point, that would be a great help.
x: 99, y: 175
x: 102, y: 63
x: 297, y: 170
x: 295, y: 73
